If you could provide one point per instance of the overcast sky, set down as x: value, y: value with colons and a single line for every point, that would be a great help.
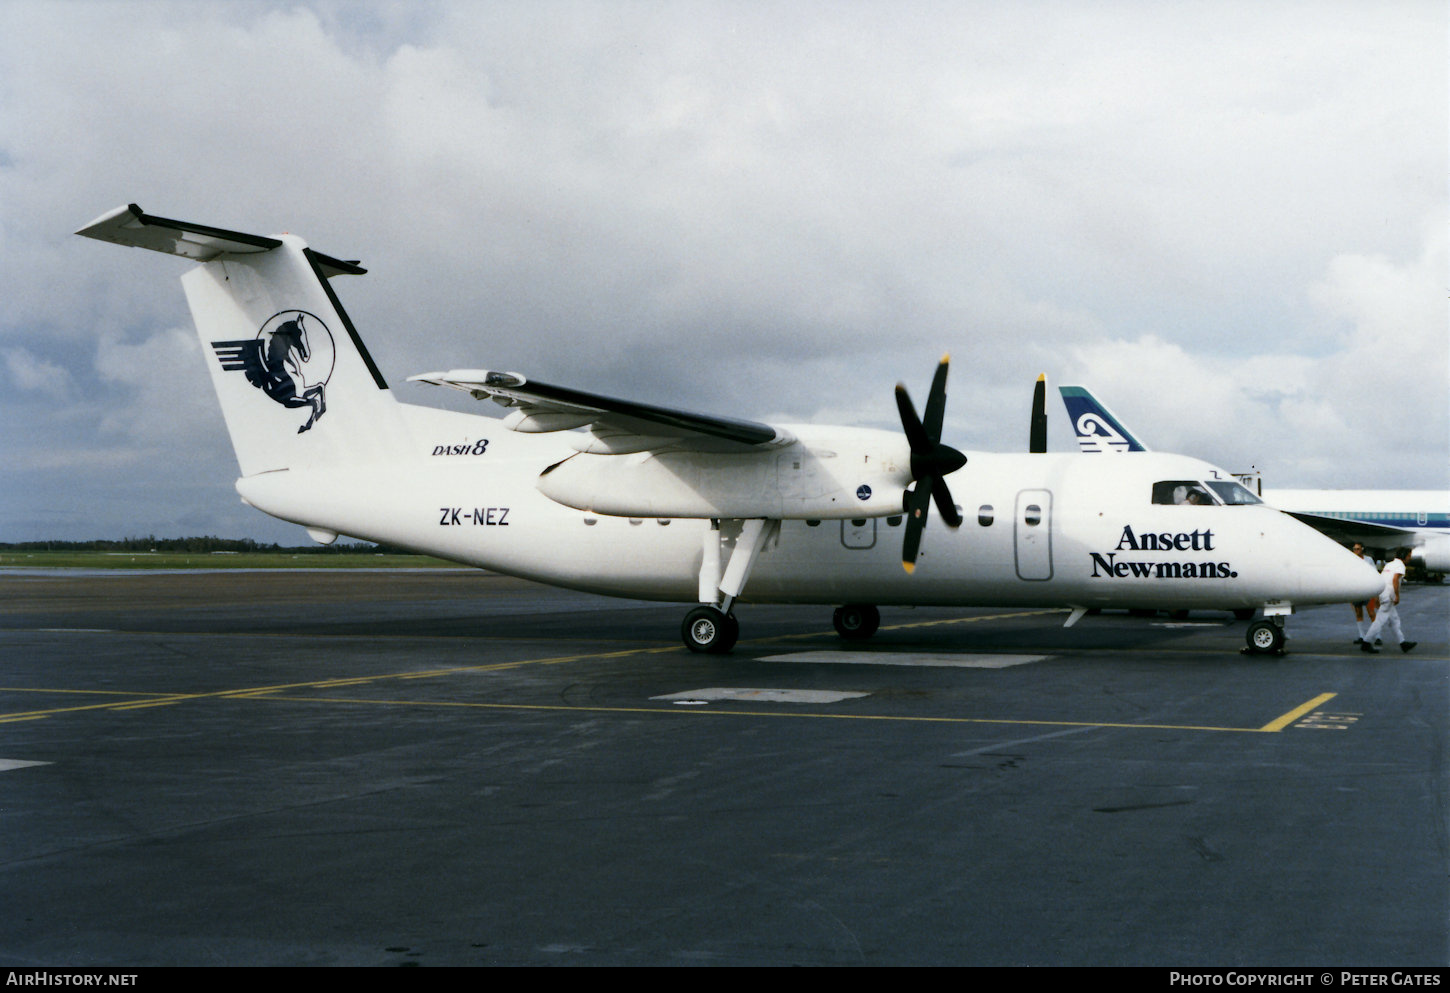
x: 1229, y: 219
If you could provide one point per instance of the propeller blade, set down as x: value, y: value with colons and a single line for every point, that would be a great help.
x: 944, y: 503
x: 916, y: 435
x: 936, y: 400
x: 1037, y: 436
x: 917, y: 501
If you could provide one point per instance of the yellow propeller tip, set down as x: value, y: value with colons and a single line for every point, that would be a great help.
x: 946, y: 357
x: 910, y: 567
x: 1042, y: 378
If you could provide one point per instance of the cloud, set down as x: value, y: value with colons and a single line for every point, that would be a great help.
x: 1366, y: 408
x: 155, y: 405
x: 32, y: 374
x: 759, y: 210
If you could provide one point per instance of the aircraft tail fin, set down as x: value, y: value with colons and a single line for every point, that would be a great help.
x: 296, y: 384
x: 1096, y: 427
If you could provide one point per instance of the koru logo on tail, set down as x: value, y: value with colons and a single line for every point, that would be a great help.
x: 290, y: 360
x: 1095, y: 434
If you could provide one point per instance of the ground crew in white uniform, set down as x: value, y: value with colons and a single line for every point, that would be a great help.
x: 1368, y: 607
x: 1389, y: 614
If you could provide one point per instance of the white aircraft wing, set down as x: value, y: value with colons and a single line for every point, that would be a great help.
x: 616, y: 427
x: 1347, y: 532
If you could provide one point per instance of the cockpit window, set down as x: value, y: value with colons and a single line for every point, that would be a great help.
x: 1233, y: 494
x: 1185, y: 491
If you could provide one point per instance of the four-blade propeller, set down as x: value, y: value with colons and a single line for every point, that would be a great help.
x: 931, y: 462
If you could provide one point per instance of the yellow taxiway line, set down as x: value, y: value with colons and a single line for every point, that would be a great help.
x: 142, y: 700
x: 1273, y: 726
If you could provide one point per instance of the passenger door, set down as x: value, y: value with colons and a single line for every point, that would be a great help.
x: 1032, y: 531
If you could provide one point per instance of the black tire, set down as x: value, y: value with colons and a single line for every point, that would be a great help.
x: 1265, y: 637
x: 707, y: 629
x: 856, y: 621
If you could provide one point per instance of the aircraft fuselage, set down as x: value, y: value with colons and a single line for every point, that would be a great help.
x: 1054, y: 528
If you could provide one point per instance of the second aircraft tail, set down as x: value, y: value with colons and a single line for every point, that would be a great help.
x: 1097, y: 429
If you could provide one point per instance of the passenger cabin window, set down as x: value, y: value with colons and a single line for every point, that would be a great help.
x: 1181, y: 491
x: 985, y: 515
x: 1032, y: 516
x: 1234, y: 494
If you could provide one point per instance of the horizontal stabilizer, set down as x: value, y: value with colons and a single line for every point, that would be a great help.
x: 133, y: 227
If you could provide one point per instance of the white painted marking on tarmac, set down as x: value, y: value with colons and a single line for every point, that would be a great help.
x: 756, y: 695
x: 7, y: 764
x: 997, y: 746
x: 957, y: 661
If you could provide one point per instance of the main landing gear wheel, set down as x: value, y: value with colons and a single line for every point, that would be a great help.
x: 709, y: 629
x: 856, y: 621
x: 1265, y: 638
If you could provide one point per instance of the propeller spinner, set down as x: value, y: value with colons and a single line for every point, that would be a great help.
x: 931, y: 462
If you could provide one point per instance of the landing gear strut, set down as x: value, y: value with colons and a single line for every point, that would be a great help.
x: 856, y: 621
x: 711, y: 627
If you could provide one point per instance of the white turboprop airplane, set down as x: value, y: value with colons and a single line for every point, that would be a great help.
x: 1380, y: 520
x: 633, y: 500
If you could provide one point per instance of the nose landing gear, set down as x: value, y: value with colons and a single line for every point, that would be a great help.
x: 1266, y: 636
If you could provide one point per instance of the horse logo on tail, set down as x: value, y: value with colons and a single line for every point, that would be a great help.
x: 290, y: 360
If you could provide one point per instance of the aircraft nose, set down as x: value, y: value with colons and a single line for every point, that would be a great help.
x: 1320, y: 570
x: 1368, y: 582
x: 1343, y: 577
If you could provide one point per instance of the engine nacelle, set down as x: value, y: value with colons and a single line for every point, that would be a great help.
x: 811, y: 479
x: 1434, y: 554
